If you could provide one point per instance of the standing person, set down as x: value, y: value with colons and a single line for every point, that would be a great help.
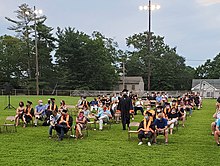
x: 125, y: 106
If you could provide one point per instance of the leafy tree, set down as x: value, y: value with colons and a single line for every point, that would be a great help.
x: 210, y: 69
x: 85, y: 62
x: 167, y: 69
x: 24, y: 26
x: 11, y: 58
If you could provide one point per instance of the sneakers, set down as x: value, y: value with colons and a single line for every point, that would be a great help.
x: 149, y: 144
x: 218, y: 144
x: 140, y: 143
x: 132, y: 118
x: 50, y: 137
x: 35, y: 125
x: 72, y: 136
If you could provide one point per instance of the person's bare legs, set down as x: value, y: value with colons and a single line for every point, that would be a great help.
x: 17, y: 120
x: 166, y: 136
x: 213, y: 127
x: 217, y: 133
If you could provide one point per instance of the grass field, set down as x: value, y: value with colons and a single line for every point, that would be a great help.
x: 192, y: 145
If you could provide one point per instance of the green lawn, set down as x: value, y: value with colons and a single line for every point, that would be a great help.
x: 192, y: 145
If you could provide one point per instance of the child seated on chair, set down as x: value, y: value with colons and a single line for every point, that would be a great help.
x: 80, y: 124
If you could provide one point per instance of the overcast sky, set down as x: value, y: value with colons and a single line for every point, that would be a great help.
x: 193, y: 26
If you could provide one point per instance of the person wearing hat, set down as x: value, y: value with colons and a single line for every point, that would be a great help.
x: 80, y: 124
x: 64, y: 124
x: 39, y: 112
x: 125, y: 107
x: 28, y: 113
x: 146, y: 129
x: 51, y: 107
x: 161, y: 126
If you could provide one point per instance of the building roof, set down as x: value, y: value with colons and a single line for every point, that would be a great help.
x: 213, y: 82
x: 131, y: 80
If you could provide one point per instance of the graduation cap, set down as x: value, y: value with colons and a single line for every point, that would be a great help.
x: 64, y: 110
x: 125, y: 90
x: 29, y: 102
x: 159, y: 107
x: 167, y: 103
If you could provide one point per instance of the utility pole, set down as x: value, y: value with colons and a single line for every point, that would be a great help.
x: 149, y: 48
x: 36, y: 52
x: 123, y: 70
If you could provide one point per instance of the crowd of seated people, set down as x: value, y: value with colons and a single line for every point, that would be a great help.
x: 104, y: 108
x: 161, y: 118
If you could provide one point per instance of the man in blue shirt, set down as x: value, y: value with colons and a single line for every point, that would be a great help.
x: 39, y: 112
x: 217, y: 132
x: 161, y: 127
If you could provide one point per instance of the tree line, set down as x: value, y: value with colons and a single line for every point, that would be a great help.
x: 72, y: 59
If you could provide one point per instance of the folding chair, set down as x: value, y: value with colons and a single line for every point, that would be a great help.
x: 130, y: 131
x: 10, y: 123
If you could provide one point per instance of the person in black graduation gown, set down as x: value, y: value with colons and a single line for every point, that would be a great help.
x: 125, y: 106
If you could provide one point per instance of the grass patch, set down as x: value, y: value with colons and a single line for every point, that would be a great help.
x: 192, y: 145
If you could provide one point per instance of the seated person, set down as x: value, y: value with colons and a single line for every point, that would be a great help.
x: 54, y: 120
x: 62, y: 106
x: 103, y: 116
x: 64, y: 124
x: 39, y: 112
x: 86, y: 112
x: 94, y: 105
x: 80, y: 124
x: 158, y: 110
x: 182, y: 113
x: 146, y: 129
x: 172, y: 119
x: 167, y: 109
x: 216, y: 115
x: 161, y: 127
x: 50, y: 107
x: 189, y: 107
x: 217, y: 132
x: 138, y: 106
x: 28, y: 113
x: 19, y: 112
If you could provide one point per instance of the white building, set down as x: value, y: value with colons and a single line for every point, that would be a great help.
x: 134, y: 84
x: 208, y: 88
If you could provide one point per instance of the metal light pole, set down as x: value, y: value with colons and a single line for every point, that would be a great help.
x: 36, y: 48
x: 149, y: 8
x: 149, y: 47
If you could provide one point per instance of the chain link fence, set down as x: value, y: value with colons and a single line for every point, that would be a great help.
x: 89, y: 93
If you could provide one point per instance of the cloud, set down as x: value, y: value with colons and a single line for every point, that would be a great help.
x: 208, y: 2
